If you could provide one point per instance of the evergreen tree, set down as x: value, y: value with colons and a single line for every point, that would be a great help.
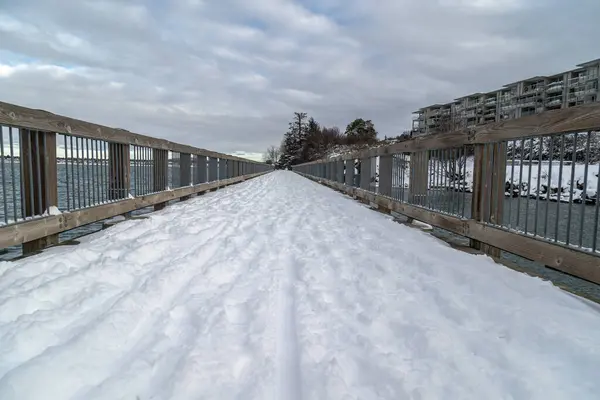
x: 294, y: 140
x: 360, y: 131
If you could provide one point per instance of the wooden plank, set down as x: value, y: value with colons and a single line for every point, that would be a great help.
x: 23, y: 117
x: 571, y: 261
x: 581, y: 118
x: 573, y: 119
x: 26, y: 231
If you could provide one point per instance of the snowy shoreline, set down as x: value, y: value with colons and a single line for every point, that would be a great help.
x: 573, y: 176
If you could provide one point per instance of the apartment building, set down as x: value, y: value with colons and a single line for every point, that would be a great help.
x: 514, y: 100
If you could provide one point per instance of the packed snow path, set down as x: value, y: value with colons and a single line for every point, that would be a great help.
x: 279, y: 288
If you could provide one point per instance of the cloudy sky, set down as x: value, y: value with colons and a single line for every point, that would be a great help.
x: 227, y: 75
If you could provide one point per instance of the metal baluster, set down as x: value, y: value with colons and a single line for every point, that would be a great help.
x: 597, y: 207
x: 569, y: 213
x: 520, y: 183
x: 512, y: 184
x: 13, y: 173
x: 584, y: 194
x: 537, y: 193
x: 3, y: 176
x: 464, y: 175
x: 559, y: 192
x: 40, y: 205
x: 67, y: 173
x: 548, y: 187
x: 528, y: 185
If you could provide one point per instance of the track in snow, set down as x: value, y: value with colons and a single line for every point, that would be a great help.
x: 279, y: 288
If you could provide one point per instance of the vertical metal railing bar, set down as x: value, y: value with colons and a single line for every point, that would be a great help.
x: 83, y: 183
x: 431, y: 177
x: 464, y: 174
x: 439, y: 179
x: 97, y: 169
x: 13, y: 173
x: 457, y: 179
x: 70, y: 182
x: 584, y: 193
x: 146, y: 170
x: 434, y: 181
x: 135, y: 175
x: 502, y: 198
x: 101, y: 173
x: 483, y: 183
x: 150, y: 174
x: 597, y: 207
x: 404, y: 164
x: 518, y: 225
x: 528, y: 186
x: 43, y: 179
x: 91, y: 181
x: 570, y: 211
x: 4, y: 200
x: 537, y: 192
x: 549, y: 185
x: 448, y: 160
x: 39, y: 182
x: 117, y: 171
x: 67, y: 172
x: 146, y: 187
x: 512, y: 184
x: 559, y: 191
x: 78, y: 173
x: 451, y: 179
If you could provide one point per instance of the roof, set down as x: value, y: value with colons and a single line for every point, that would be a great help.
x: 589, y: 63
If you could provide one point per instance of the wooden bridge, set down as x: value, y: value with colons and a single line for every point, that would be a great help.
x: 279, y: 287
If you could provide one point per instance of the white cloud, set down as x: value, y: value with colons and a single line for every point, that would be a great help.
x: 228, y: 75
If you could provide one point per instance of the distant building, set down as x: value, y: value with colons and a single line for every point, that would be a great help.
x: 518, y: 99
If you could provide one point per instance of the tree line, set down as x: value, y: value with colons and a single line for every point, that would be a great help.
x: 307, y: 140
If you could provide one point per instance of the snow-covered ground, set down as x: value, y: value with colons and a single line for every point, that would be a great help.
x: 279, y: 288
x: 548, y: 174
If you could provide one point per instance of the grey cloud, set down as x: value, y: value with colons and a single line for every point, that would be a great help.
x: 228, y: 75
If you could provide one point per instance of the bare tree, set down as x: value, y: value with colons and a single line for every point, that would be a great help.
x: 272, y: 154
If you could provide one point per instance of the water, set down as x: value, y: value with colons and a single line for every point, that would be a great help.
x: 79, y: 187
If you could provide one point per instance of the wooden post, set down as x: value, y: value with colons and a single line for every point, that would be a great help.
x: 201, y: 168
x: 477, y: 191
x: 349, y: 178
x: 38, y: 180
x: 491, y: 181
x: 212, y: 169
x: 229, y: 169
x: 185, y: 172
x: 385, y: 175
x: 222, y: 169
x: 419, y: 177
x: 340, y: 171
x: 365, y: 173
x: 119, y: 174
x: 160, y: 168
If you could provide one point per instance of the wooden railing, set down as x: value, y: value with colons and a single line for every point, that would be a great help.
x: 494, y: 185
x: 59, y: 173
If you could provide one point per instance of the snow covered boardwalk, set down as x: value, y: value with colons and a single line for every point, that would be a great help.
x: 279, y: 288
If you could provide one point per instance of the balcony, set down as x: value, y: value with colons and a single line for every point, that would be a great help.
x: 555, y: 88
x: 554, y: 102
